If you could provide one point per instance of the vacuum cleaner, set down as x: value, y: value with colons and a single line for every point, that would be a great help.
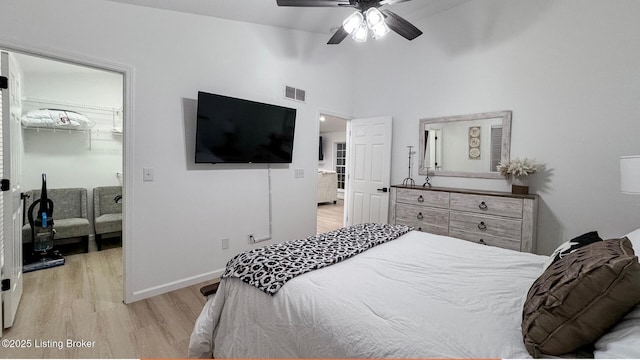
x: 42, y: 255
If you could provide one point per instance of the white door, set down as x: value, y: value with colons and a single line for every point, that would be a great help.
x: 369, y: 170
x: 12, y: 210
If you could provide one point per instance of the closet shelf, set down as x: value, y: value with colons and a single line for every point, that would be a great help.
x: 83, y: 114
x: 108, y: 119
x: 71, y: 104
x: 56, y: 129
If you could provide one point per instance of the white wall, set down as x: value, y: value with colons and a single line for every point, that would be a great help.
x: 179, y: 218
x: 569, y: 71
x: 455, y: 146
x: 566, y: 65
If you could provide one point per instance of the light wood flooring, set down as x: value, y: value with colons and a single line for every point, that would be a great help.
x: 82, y: 300
x: 330, y: 216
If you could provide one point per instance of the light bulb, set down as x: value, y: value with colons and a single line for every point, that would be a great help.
x: 380, y: 30
x: 351, y: 23
x: 374, y: 17
x: 360, y: 34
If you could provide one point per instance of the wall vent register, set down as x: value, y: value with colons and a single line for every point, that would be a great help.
x: 294, y: 94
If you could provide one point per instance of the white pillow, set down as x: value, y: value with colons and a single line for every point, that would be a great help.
x: 634, y: 236
x: 623, y: 341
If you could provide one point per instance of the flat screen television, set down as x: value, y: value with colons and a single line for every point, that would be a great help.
x: 231, y: 130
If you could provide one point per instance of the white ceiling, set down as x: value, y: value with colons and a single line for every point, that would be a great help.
x: 321, y: 20
x: 266, y: 12
x: 333, y: 124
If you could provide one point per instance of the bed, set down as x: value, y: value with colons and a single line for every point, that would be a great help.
x: 418, y: 296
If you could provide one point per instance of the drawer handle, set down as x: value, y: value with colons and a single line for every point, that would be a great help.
x: 420, y: 199
x: 482, y: 226
x: 420, y: 216
x: 482, y: 206
x: 482, y: 242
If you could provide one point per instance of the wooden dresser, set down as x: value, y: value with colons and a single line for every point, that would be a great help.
x: 487, y: 217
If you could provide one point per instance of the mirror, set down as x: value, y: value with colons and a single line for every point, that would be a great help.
x: 465, y: 145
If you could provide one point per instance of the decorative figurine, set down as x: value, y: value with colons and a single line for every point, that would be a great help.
x: 427, y: 179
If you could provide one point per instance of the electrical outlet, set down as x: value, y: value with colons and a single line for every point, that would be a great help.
x: 225, y: 243
x: 251, y: 238
x: 147, y: 174
x: 299, y: 173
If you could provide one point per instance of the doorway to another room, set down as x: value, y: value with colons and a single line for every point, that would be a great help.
x: 72, y: 131
x: 69, y: 125
x: 332, y: 172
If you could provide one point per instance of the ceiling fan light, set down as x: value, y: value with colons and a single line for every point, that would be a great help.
x: 352, y: 23
x: 361, y: 33
x: 374, y: 17
x: 380, y: 30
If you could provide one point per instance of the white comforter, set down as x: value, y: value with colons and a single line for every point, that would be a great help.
x: 421, y: 295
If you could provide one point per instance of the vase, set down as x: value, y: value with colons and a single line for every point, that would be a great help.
x: 519, y: 185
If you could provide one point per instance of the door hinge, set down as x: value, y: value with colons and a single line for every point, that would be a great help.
x: 5, y: 185
x: 6, y: 284
x: 4, y: 82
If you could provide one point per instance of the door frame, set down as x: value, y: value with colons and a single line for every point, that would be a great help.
x: 347, y: 119
x: 128, y: 73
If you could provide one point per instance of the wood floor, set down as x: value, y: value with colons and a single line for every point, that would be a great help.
x: 330, y: 216
x: 82, y: 300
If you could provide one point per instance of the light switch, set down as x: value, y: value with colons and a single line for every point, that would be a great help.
x: 147, y: 174
x: 299, y: 173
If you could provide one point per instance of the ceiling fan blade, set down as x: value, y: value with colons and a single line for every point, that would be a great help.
x: 400, y: 25
x: 391, y: 2
x: 313, y: 3
x: 338, y: 36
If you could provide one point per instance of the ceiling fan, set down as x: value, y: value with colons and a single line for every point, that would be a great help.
x: 367, y: 18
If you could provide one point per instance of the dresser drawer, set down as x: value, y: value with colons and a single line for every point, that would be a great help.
x: 432, y: 220
x: 437, y: 199
x: 486, y: 225
x: 486, y: 204
x: 486, y: 239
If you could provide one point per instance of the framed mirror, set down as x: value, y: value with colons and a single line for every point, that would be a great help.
x: 465, y: 145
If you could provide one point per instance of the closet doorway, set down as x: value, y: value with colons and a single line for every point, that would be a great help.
x: 72, y: 130
x: 332, y: 171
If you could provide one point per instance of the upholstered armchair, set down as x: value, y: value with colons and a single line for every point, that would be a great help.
x: 107, y: 212
x: 327, y: 186
x: 70, y: 220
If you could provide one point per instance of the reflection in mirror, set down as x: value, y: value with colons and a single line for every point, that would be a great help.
x: 433, y: 147
x: 465, y: 145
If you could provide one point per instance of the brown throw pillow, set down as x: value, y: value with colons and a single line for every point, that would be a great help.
x: 579, y: 297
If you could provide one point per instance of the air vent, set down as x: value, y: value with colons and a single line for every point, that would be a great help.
x: 290, y: 92
x: 294, y: 94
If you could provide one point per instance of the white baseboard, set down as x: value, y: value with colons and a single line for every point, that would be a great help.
x: 176, y: 285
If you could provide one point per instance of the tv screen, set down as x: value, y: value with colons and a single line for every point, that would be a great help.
x: 231, y: 130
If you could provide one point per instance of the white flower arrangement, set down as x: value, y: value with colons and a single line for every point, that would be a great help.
x: 518, y: 167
